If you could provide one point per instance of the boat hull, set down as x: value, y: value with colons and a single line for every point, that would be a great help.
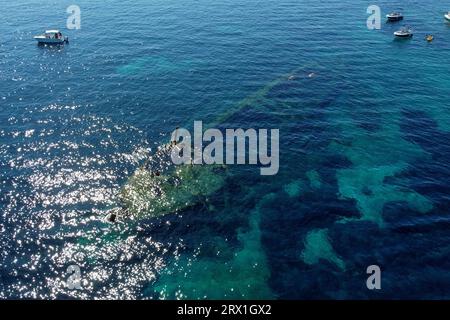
x: 393, y: 19
x: 42, y: 40
x: 403, y: 35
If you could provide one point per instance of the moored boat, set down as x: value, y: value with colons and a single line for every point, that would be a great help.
x: 404, y: 32
x: 394, y: 16
x: 51, y: 37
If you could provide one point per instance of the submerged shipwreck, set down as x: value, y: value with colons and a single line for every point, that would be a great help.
x: 158, y: 187
x: 153, y: 194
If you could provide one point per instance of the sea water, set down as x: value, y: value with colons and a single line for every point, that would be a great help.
x: 364, y: 174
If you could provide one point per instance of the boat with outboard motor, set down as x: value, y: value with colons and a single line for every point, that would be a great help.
x: 405, y: 32
x: 51, y: 37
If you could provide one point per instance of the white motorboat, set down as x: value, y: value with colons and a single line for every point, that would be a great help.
x: 404, y: 32
x: 51, y: 37
x: 447, y: 16
x: 394, y: 16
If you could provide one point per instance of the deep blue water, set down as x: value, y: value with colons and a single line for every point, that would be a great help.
x: 364, y: 139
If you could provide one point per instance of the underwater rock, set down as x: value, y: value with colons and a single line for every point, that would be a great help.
x: 318, y: 246
x: 314, y: 179
x: 366, y: 185
x: 294, y: 188
x: 374, y: 159
x: 238, y: 273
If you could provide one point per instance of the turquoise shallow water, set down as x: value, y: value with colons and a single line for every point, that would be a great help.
x: 364, y: 141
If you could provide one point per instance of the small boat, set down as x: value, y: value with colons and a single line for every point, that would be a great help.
x: 51, y: 37
x: 447, y: 16
x: 429, y: 38
x: 394, y: 16
x: 404, y: 32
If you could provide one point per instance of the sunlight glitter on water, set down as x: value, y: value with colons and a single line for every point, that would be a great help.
x: 52, y: 174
